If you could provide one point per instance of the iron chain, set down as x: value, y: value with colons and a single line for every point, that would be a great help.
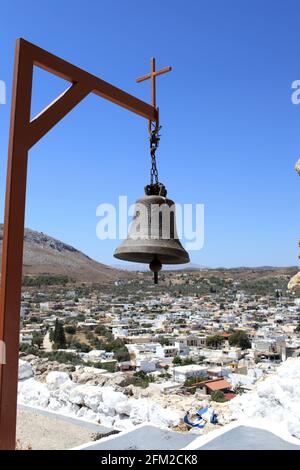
x: 154, y: 143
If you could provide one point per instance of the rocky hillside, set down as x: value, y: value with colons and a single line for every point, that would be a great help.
x: 46, y: 255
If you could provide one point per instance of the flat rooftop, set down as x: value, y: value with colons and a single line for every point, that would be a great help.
x: 144, y: 438
x: 148, y: 437
x: 248, y: 438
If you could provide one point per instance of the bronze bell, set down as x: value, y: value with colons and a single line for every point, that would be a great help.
x: 153, y: 236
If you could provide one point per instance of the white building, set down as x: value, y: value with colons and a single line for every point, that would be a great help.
x: 147, y: 364
x: 26, y: 338
x: 181, y: 373
x: 166, y: 351
x: 44, y: 306
x: 97, y: 355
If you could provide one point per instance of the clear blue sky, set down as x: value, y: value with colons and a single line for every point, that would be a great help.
x: 231, y: 135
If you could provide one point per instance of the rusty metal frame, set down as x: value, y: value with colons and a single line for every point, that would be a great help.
x: 24, y: 133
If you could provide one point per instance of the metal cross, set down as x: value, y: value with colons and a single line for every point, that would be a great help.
x: 152, y: 76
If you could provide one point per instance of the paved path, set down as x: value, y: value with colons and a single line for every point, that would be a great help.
x: 47, y: 345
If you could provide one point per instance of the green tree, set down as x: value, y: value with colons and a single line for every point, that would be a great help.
x: 122, y: 354
x: 37, y: 339
x: 189, y: 382
x: 59, y: 337
x: 70, y: 329
x: 218, y: 396
x: 164, y: 341
x: 188, y: 361
x: 51, y: 335
x: 177, y: 361
x: 101, y: 330
x: 214, y: 341
x: 240, y: 339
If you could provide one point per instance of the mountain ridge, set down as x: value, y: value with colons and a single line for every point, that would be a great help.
x: 45, y: 255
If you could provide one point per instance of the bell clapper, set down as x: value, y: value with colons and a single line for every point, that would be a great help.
x: 155, y: 267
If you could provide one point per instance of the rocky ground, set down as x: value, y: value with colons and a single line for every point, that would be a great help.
x: 89, y: 394
x: 275, y: 399
x: 102, y: 398
x: 168, y: 407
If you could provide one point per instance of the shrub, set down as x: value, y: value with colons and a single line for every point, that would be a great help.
x: 177, y: 361
x: 45, y: 280
x: 28, y: 349
x: 193, y: 380
x: 218, y: 396
x: 214, y: 341
x: 109, y: 366
x: 188, y: 361
x: 64, y: 357
x: 122, y: 354
x: 101, y: 330
x: 37, y: 339
x: 82, y: 347
x: 70, y: 329
x: 239, y: 338
x: 140, y: 379
x: 238, y: 389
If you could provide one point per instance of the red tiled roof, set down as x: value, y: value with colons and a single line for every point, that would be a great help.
x: 229, y: 395
x: 218, y: 384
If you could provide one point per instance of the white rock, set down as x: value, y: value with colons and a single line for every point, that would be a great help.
x: 25, y: 370
x: 106, y: 420
x: 94, y: 403
x: 92, y: 397
x: 33, y: 393
x: 63, y: 392
x: 110, y: 398
x: 162, y: 416
x: 106, y: 410
x: 276, y: 398
x: 55, y: 379
x: 139, y: 410
x: 86, y: 414
x: 123, y: 424
x: 77, y: 395
x: 123, y: 407
x: 54, y: 404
